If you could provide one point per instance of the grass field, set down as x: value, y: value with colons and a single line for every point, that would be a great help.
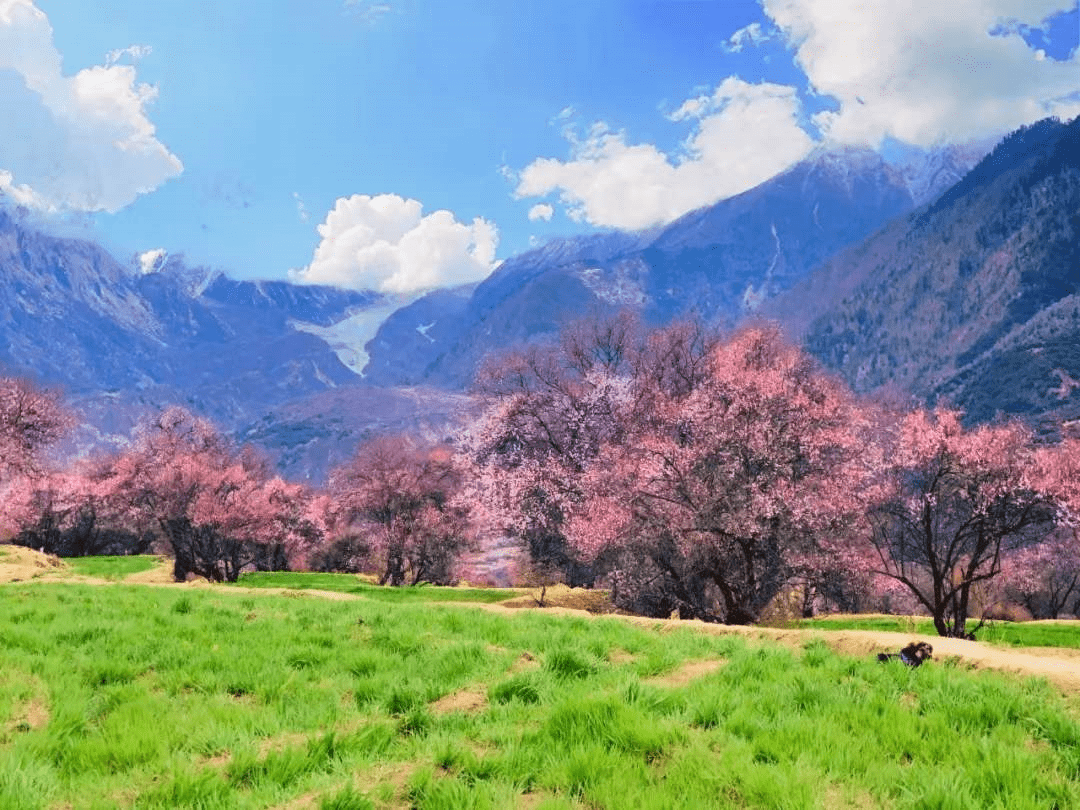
x: 351, y: 584
x: 111, y: 567
x: 1015, y: 634
x: 143, y: 697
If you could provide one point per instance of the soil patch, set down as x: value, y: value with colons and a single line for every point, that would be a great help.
x: 300, y: 802
x: 561, y: 596
x: 466, y: 700
x: 280, y: 742
x: 333, y: 596
x: 525, y: 662
x: 28, y: 716
x: 396, y: 775
x: 160, y: 574
x: 218, y: 760
x: 690, y: 671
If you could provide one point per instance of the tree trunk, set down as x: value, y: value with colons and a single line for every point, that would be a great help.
x: 939, y: 622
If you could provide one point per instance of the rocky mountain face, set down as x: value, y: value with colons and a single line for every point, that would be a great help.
x: 973, y: 298
x: 720, y: 263
x: 119, y: 342
x: 74, y: 316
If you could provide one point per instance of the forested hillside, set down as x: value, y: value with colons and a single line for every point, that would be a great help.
x: 974, y: 297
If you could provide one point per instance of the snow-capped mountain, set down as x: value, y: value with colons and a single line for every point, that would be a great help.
x: 119, y: 339
x: 721, y: 262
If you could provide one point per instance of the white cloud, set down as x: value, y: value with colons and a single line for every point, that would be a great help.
x: 563, y: 115
x: 152, y: 260
x: 925, y: 71
x: 20, y: 194
x: 743, y: 134
x: 368, y: 10
x: 135, y: 53
x: 77, y: 143
x: 752, y: 34
x: 385, y: 243
x: 541, y: 211
x: 301, y: 209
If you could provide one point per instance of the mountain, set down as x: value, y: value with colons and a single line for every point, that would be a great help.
x: 973, y: 298
x: 119, y: 342
x: 308, y: 436
x: 720, y: 262
x: 293, y: 368
x: 74, y: 316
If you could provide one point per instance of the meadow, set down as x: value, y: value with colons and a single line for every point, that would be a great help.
x: 114, y: 568
x: 169, y: 697
x: 355, y: 586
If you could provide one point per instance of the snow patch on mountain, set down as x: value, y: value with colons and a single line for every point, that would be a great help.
x: 620, y: 285
x: 929, y: 172
x: 348, y: 338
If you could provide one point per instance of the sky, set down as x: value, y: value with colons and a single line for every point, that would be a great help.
x: 402, y: 145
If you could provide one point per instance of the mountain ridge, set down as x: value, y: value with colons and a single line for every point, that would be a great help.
x: 717, y: 262
x: 971, y: 299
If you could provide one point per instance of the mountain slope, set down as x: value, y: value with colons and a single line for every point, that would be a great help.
x: 719, y: 262
x: 974, y: 297
x: 75, y: 317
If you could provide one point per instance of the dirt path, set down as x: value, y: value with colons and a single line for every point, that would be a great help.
x: 1059, y: 666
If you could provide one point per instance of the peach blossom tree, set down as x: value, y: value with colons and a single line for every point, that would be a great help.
x: 218, y: 508
x: 1045, y: 577
x: 399, y: 506
x: 954, y: 505
x: 721, y: 496
x: 31, y: 419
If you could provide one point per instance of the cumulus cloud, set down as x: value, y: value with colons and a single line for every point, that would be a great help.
x: 927, y: 72
x: 541, y: 211
x: 386, y: 243
x: 20, y: 194
x: 743, y: 134
x: 76, y: 143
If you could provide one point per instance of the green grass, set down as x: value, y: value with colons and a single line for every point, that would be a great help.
x: 349, y: 583
x: 140, y: 697
x: 111, y: 567
x: 1015, y: 634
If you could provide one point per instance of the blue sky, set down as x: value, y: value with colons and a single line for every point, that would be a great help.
x: 405, y: 144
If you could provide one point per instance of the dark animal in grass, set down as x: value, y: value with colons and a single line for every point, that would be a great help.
x: 913, y: 654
